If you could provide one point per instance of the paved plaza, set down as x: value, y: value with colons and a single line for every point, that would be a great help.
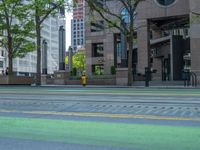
x: 99, y: 118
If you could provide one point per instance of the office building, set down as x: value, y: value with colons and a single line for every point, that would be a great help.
x: 168, y: 37
x: 78, y: 26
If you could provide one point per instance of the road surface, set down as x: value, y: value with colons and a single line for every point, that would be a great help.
x: 61, y: 118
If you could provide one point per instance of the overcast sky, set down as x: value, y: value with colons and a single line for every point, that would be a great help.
x: 68, y: 30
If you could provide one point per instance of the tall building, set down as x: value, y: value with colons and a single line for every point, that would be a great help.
x: 168, y: 40
x: 78, y: 26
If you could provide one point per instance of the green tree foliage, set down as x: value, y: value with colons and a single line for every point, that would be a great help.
x: 79, y: 61
x: 17, y: 28
x: 113, y: 70
x: 195, y: 17
x: 98, y: 70
x: 118, y: 21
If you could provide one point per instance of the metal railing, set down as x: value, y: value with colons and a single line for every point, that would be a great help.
x: 190, y: 79
x: 193, y: 79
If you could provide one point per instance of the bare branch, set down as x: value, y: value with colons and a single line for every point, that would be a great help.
x: 47, y: 14
x: 195, y: 13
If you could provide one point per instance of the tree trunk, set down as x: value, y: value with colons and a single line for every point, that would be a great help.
x: 10, y: 64
x: 130, y: 65
x: 38, y: 36
x: 10, y: 55
x: 130, y: 54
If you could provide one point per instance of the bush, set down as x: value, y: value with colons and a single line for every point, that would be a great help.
x: 113, y: 70
x: 74, y: 72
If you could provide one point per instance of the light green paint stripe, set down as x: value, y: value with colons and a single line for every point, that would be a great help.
x: 105, y: 115
x: 101, y: 91
x: 144, y: 137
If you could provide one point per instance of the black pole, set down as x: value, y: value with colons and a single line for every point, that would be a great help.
x: 44, y: 58
x: 147, y: 76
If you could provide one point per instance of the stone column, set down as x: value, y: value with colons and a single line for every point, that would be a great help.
x: 108, y: 53
x: 121, y: 76
x: 70, y: 59
x: 143, y: 46
x: 123, y: 51
x: 195, y: 37
x: 44, y: 57
x: 62, y: 48
x: 88, y: 48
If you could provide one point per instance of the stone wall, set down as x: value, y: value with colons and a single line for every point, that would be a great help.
x: 100, y: 80
x: 105, y: 36
x: 195, y: 37
x: 16, y: 80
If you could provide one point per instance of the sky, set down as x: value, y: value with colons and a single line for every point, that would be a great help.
x: 68, y: 29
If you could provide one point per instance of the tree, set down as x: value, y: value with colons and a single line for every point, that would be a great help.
x: 17, y: 29
x: 124, y: 22
x: 79, y: 61
x: 195, y: 13
x: 42, y: 9
x: 195, y: 16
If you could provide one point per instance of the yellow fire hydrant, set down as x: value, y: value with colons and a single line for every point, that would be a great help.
x: 84, y: 79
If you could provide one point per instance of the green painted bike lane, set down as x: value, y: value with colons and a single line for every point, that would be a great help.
x: 120, y: 135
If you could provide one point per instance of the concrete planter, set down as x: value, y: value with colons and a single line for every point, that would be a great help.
x: 122, y: 76
x: 16, y: 80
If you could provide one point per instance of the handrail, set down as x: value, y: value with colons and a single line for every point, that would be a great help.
x: 191, y: 80
x: 194, y: 79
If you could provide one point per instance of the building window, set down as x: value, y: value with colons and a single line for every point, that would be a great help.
x: 1, y: 64
x: 98, y: 69
x: 97, y: 26
x: 97, y: 50
x: 125, y: 15
x: 165, y: 2
x: 81, y: 41
x: 2, y: 53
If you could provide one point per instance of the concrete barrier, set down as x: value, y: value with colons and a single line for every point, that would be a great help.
x: 93, y: 80
x: 16, y: 80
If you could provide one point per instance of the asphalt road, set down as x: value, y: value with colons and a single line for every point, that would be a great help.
x: 99, y: 118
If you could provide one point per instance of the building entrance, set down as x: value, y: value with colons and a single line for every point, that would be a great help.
x: 166, y: 69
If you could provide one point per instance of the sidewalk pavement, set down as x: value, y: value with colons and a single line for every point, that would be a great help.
x: 117, y: 86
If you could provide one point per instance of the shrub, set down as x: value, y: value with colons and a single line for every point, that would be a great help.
x: 74, y: 72
x: 113, y: 70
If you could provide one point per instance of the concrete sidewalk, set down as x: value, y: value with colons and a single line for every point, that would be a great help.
x: 116, y: 86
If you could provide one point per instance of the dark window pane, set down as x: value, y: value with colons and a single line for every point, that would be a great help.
x: 97, y: 50
x: 1, y: 64
x: 165, y: 2
x: 97, y: 26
